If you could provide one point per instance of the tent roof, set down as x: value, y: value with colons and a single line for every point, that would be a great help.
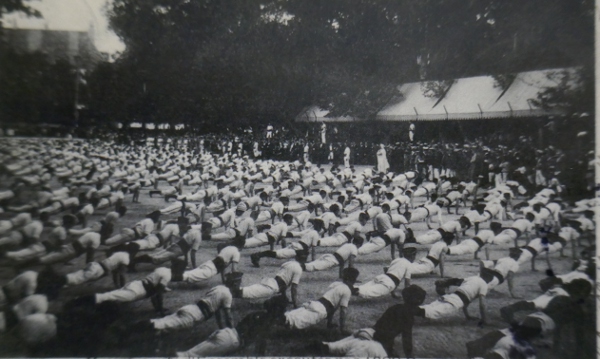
x: 316, y: 114
x: 478, y: 98
x: 467, y: 98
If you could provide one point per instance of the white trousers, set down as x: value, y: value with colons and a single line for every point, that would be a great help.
x: 258, y: 240
x: 34, y: 304
x: 285, y: 253
x: 422, y: 266
x: 443, y: 307
x: 14, y: 238
x: 65, y: 253
x: 359, y: 345
x: 378, y: 287
x: 507, y: 236
x: 126, y: 235
x: 429, y: 237
x: 374, y: 245
x: 322, y: 263
x: 220, y: 342
x: 468, y: 246
x: 307, y: 315
x: 334, y: 241
x: 268, y: 287
x: 150, y: 242
x: 183, y: 318
x: 205, y: 271
x: 225, y: 235
x: 92, y: 271
x: 28, y: 253
x: 129, y: 293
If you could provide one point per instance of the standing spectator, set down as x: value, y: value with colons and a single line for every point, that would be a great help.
x: 323, y: 133
x: 306, y: 150
x: 382, y: 163
x: 347, y: 156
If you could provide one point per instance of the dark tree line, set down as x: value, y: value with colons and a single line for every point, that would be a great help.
x: 258, y: 61
x: 35, y: 90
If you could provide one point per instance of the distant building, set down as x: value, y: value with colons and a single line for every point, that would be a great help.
x: 66, y: 29
x: 56, y: 44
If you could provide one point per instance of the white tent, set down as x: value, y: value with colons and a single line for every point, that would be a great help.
x: 316, y: 114
x: 475, y: 98
x: 465, y: 99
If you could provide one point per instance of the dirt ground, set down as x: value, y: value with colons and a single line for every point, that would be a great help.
x: 432, y: 339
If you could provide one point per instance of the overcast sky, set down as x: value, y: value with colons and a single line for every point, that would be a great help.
x: 74, y: 15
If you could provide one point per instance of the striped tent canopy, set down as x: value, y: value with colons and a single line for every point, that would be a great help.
x: 316, y: 114
x: 476, y: 98
x: 470, y: 98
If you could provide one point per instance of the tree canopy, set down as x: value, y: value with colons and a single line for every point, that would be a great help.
x: 258, y: 61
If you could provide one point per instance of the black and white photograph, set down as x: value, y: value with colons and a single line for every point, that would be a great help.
x: 298, y: 178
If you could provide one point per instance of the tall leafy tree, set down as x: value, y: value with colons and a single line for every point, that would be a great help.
x: 253, y: 61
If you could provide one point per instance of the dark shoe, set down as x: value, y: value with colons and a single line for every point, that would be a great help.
x: 177, y: 269
x: 506, y: 314
x: 85, y: 301
x: 262, y: 227
x: 440, y: 287
x: 255, y: 259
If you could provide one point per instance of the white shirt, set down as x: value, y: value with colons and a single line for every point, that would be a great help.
x: 571, y: 276
x: 193, y: 237
x: 116, y: 260
x: 473, y: 287
x: 243, y: 225
x: 144, y: 227
x: 90, y: 240
x: 338, y: 294
x: 302, y: 218
x: 568, y: 233
x: 169, y: 230
x: 310, y: 238
x: 586, y: 224
x: 290, y: 272
x: 58, y: 236
x: 227, y: 217
x: 542, y: 301
x: 354, y: 228
x: 21, y: 219
x: 230, y: 254
x: 159, y: 276
x: 437, y: 249
x: 32, y: 230
x: 485, y: 235
x: 218, y: 297
x: 23, y: 285
x: 328, y: 218
x: 523, y: 225
x: 396, y: 235
x: 315, y: 199
x: 277, y: 208
x: 347, y: 250
x: 278, y: 230
x: 506, y: 265
x: 400, y: 268
x: 452, y: 226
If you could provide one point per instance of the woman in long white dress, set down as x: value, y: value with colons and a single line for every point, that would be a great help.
x: 382, y: 162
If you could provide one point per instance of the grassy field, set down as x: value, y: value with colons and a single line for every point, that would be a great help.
x: 432, y: 339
